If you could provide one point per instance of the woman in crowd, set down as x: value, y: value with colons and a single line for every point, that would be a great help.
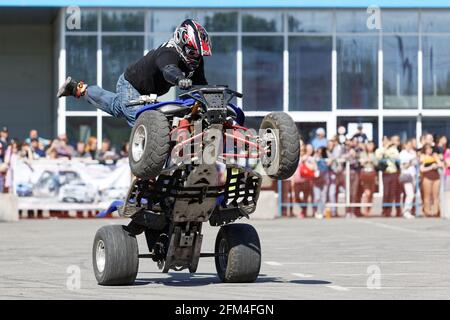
x: 12, y: 155
x: 304, y: 176
x: 26, y: 153
x: 336, y: 171
x: 446, y: 163
x: 368, y: 175
x: 125, y: 149
x: 408, y: 174
x: 441, y: 146
x: 388, y: 159
x: 320, y: 182
x: 91, y: 147
x: 80, y: 150
x: 3, y: 167
x: 351, y: 155
x: 429, y: 167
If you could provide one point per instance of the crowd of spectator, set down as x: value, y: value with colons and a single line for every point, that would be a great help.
x: 36, y: 147
x: 409, y: 170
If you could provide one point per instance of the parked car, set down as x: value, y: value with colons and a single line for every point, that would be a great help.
x: 24, y: 190
x: 77, y: 191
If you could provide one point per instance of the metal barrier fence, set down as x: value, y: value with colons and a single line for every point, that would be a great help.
x: 348, y: 205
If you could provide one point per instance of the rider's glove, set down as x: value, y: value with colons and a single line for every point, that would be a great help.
x: 185, y: 83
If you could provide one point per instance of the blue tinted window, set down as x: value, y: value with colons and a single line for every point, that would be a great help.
x: 117, y: 131
x: 403, y: 127
x: 357, y: 72
x: 435, y: 21
x: 399, y: 21
x: 80, y: 128
x: 437, y: 126
x: 220, y: 67
x: 310, y: 21
x: 262, y: 21
x: 88, y: 20
x: 263, y: 73
x: 436, y: 71
x: 168, y: 20
x: 310, y: 73
x: 353, y: 21
x: 81, y: 64
x: 400, y: 71
x: 118, y: 53
x: 218, y: 21
x: 116, y: 20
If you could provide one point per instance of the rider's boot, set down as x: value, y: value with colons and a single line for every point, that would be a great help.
x: 72, y: 87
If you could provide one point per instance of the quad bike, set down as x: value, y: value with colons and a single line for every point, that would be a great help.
x: 185, y: 156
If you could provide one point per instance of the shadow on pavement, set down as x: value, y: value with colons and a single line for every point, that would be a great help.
x: 192, y: 280
x: 310, y: 282
x: 204, y: 279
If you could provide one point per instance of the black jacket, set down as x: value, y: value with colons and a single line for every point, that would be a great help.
x: 161, y: 69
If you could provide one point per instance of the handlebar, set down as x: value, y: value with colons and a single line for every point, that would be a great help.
x: 210, y: 89
x: 196, y: 93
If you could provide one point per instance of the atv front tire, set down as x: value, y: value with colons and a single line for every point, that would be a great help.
x: 281, y: 139
x: 149, y: 144
x: 115, y: 256
x: 237, y: 253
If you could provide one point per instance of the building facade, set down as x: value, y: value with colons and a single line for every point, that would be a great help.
x: 326, y: 66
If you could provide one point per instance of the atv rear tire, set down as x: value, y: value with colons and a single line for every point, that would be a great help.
x: 238, y: 253
x: 284, y: 147
x: 115, y: 256
x: 149, y: 144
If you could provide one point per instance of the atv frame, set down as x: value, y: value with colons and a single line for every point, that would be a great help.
x: 199, y: 179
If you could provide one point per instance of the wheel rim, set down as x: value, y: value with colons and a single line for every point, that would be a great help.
x: 100, y: 256
x: 139, y: 141
x: 270, y: 145
x: 223, y: 254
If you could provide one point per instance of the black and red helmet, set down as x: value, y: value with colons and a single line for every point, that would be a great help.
x: 193, y: 42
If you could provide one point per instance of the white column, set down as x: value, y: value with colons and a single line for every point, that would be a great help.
x: 380, y: 97
x: 419, y: 84
x: 332, y: 122
x: 285, y: 68
x: 61, y: 113
x: 146, y: 27
x: 420, y: 80
x: 380, y: 109
x: 239, y: 60
x: 419, y: 129
x: 99, y: 78
x: 334, y: 80
x: 285, y: 80
x: 239, y: 74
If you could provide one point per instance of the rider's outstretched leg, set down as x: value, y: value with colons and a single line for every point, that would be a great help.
x: 112, y: 103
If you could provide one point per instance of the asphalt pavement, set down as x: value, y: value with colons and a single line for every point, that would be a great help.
x: 372, y: 258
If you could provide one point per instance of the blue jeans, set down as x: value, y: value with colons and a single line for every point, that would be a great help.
x: 115, y: 103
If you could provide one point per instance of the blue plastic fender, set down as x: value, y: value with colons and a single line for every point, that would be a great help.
x: 188, y: 102
x: 112, y: 207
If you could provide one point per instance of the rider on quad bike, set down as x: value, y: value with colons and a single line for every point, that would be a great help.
x: 177, y: 62
x: 185, y: 159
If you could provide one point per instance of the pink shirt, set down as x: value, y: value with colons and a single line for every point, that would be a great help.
x: 447, y: 156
